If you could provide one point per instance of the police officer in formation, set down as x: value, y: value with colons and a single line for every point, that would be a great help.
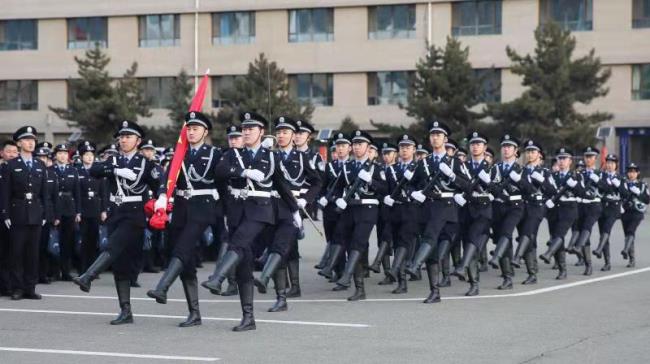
x: 433, y: 204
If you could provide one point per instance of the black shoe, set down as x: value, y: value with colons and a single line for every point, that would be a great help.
x: 434, y: 296
x: 350, y: 268
x: 17, y: 295
x: 532, y: 279
x: 280, y: 305
x: 32, y: 296
x: 631, y: 264
x: 293, y: 269
x: 246, y: 298
x: 294, y: 292
x: 445, y: 282
x: 123, y: 288
x: 336, y: 251
x: 100, y: 264
x: 473, y: 290
x: 339, y: 288
x: 375, y: 266
x: 387, y: 281
x: 416, y: 277
x: 221, y: 270
x: 561, y: 276
x: 174, y: 269
x: 606, y: 268
x: 125, y: 316
x: 507, y: 284
x: 44, y: 280
x: 191, y: 289
x: 272, y: 263
x: 588, y: 271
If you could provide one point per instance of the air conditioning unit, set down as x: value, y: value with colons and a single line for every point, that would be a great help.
x: 604, y: 132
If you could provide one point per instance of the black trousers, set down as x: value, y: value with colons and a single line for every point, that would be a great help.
x: 125, y: 240
x: 5, y: 259
x: 25, y: 240
x: 241, y: 242
x: 44, y: 258
x: 184, y: 240
x: 589, y: 215
x: 89, y: 241
x: 631, y: 221
x: 66, y: 243
x: 355, y: 226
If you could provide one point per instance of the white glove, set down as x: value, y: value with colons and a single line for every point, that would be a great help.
x: 297, y: 219
x: 594, y: 177
x: 616, y: 182
x: 365, y: 175
x: 161, y: 202
x: 301, y: 203
x: 126, y: 174
x: 408, y: 174
x: 460, y: 200
x: 388, y: 201
x: 571, y: 182
x: 635, y: 190
x: 43, y: 222
x: 516, y: 177
x: 446, y: 170
x: 549, y: 204
x: 8, y: 223
x: 322, y: 201
x: 254, y: 174
x: 340, y: 203
x: 267, y: 143
x: 484, y: 176
x: 537, y: 176
x: 418, y: 196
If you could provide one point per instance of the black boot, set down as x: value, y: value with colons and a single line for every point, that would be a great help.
x: 402, y: 286
x: 383, y: 247
x: 506, y: 271
x: 434, y: 291
x: 629, y: 240
x: 502, y: 246
x: 586, y: 253
x: 575, y: 234
x: 100, y: 264
x: 607, y: 267
x: 583, y: 240
x: 482, y: 260
x: 191, y: 289
x: 231, y: 290
x: 336, y: 253
x: 468, y: 256
x: 604, y: 238
x: 531, y: 266
x: 398, y: 263
x: 324, y: 258
x: 556, y: 244
x: 224, y: 266
x: 123, y: 288
x: 246, y: 298
x: 359, y: 292
x: 445, y: 264
x: 472, y: 275
x: 413, y: 269
x: 294, y: 278
x: 174, y: 269
x: 560, y: 256
x: 522, y: 249
x: 630, y: 255
x: 280, y: 282
x: 350, y: 268
x: 272, y: 263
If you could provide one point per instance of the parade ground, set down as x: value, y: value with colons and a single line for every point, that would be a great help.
x: 599, y: 319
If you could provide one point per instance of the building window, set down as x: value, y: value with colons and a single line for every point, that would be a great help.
x: 490, y: 84
x: 18, y: 35
x: 641, y: 14
x: 87, y: 32
x: 159, y: 30
x: 233, y: 28
x: 641, y: 81
x: 388, y: 88
x: 157, y: 91
x: 221, y: 84
x: 391, y: 21
x: 574, y: 15
x: 311, y: 25
x: 18, y: 95
x: 476, y: 18
x: 314, y: 88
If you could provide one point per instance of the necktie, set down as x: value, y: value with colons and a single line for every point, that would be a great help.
x: 436, y: 159
x: 193, y: 152
x: 506, y: 168
x: 284, y: 156
x: 475, y: 166
x: 29, y: 164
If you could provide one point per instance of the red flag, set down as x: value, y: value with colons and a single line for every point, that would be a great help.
x: 160, y: 217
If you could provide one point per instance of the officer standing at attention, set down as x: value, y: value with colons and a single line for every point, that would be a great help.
x: 129, y: 176
x: 47, y: 263
x: 24, y: 202
x: 67, y: 207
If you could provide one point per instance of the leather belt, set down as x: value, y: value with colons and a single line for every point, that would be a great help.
x: 187, y: 194
x: 118, y: 200
x: 597, y: 199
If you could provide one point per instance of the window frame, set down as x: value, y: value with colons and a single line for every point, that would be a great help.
x: 89, y: 43
x: 476, y: 29
x: 546, y: 13
x: 638, y: 71
x: 375, y: 97
x: 20, y: 44
x: 640, y: 21
x: 322, y: 101
x: 393, y: 33
x: 145, y: 40
x: 218, y: 39
x: 296, y: 36
x: 17, y: 103
x: 163, y: 96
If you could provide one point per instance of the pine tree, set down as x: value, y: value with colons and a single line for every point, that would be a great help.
x: 555, y: 83
x: 100, y: 103
x: 348, y: 126
x: 264, y: 90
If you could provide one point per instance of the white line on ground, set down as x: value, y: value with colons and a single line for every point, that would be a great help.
x: 286, y: 322
x: 327, y: 300
x: 100, y: 353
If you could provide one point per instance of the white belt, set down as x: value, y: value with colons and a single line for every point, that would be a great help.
x: 297, y: 193
x: 187, y: 194
x: 538, y: 197
x: 514, y: 198
x: 597, y: 199
x: 91, y: 194
x: 476, y: 194
x: 118, y: 200
x: 369, y: 201
x: 567, y: 199
x: 446, y: 194
x: 243, y: 193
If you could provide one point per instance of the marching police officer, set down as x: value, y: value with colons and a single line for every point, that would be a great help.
x: 24, y: 203
x: 195, y: 207
x: 637, y: 198
x: 611, y: 211
x: 129, y: 176
x: 94, y: 202
x: 68, y: 207
x: 47, y: 263
x: 261, y: 170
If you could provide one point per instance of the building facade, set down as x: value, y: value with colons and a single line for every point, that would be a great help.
x: 348, y: 57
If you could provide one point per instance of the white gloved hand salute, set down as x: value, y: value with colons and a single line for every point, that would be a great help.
x: 253, y: 174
